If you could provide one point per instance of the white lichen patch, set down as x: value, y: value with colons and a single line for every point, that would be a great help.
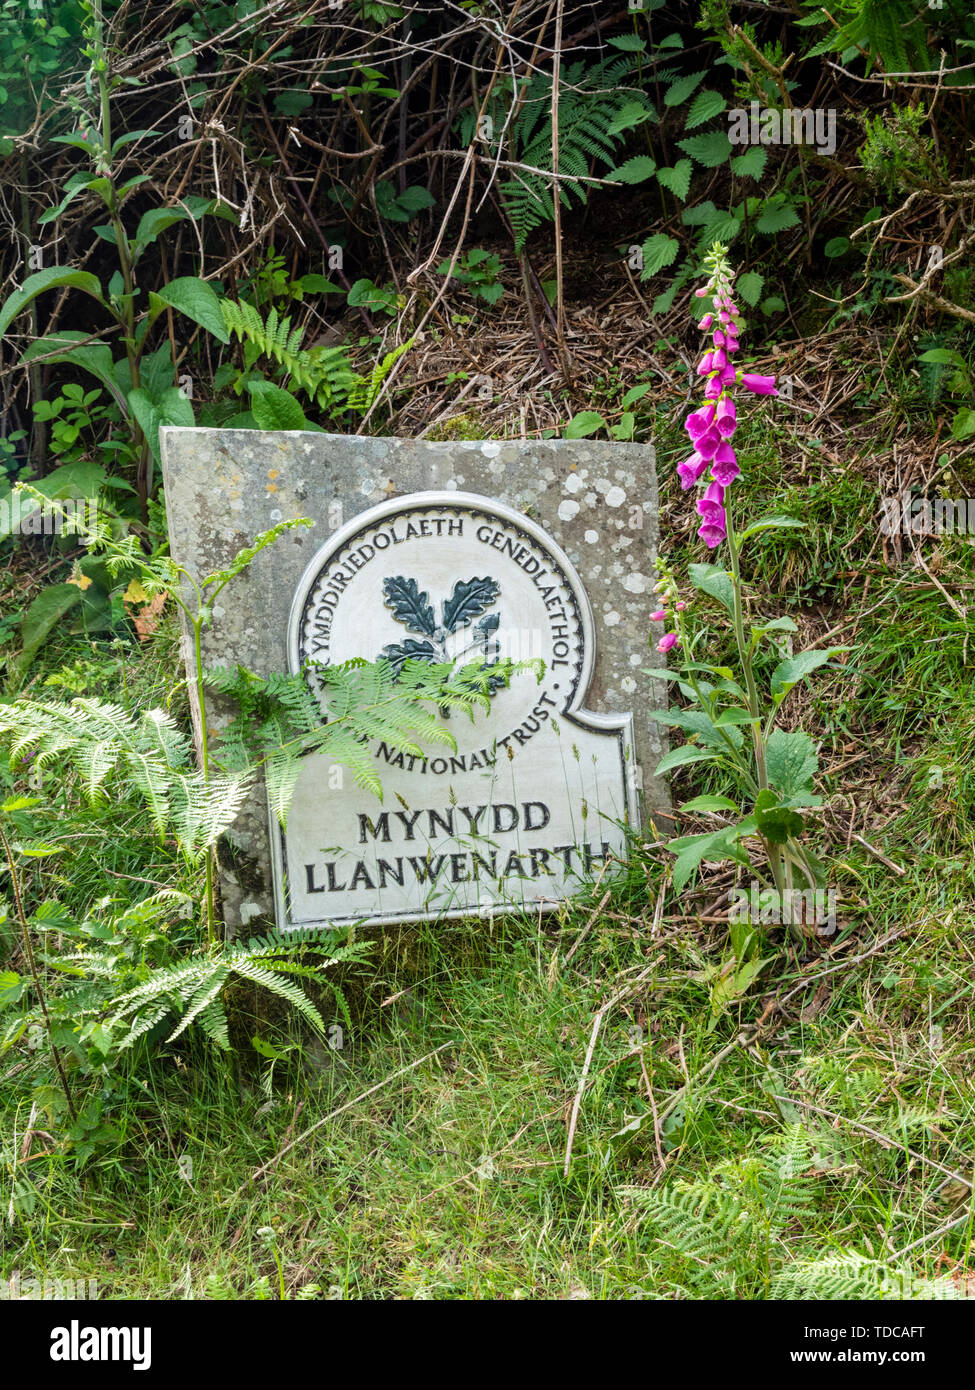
x: 568, y: 510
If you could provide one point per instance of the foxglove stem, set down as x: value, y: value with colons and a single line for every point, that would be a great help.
x: 774, y: 852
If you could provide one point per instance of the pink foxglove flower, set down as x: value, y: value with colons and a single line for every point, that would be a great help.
x: 699, y: 420
x: 660, y: 616
x: 725, y: 417
x: 691, y: 469
x: 712, y: 533
x: 725, y: 470
x: 669, y: 639
x: 712, y: 425
x: 706, y: 444
x: 761, y: 385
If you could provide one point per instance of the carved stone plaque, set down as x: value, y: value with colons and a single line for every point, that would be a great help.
x: 533, y: 800
x: 593, y: 501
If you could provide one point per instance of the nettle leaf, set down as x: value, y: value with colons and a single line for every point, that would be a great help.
x: 791, y: 762
x: 724, y: 228
x: 677, y: 179
x: 658, y: 251
x: 708, y: 150
x: 713, y: 580
x: 749, y: 286
x: 789, y: 673
x: 630, y: 114
x: 751, y: 164
x: 678, y: 92
x: 705, y: 105
x: 470, y: 598
x: 409, y: 606
x: 778, y: 214
x: 634, y: 170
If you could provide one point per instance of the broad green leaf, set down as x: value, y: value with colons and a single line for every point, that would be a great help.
x: 789, y: 673
x: 679, y: 757
x: 769, y: 523
x: 173, y: 408
x: 54, y: 278
x: 716, y: 845
x: 153, y: 222
x: 777, y: 625
x: 129, y: 137
x: 963, y: 424
x: 791, y: 762
x: 709, y: 803
x: 587, y: 422
x: 775, y: 821
x: 947, y: 356
x: 43, y: 616
x: 65, y: 346
x: 696, y: 721
x: 12, y: 986
x: 735, y: 716
x: 275, y: 408
x: 636, y: 393
x: 713, y: 580
x: 194, y: 298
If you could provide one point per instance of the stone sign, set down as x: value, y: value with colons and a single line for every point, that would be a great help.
x: 442, y: 553
x: 534, y: 797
